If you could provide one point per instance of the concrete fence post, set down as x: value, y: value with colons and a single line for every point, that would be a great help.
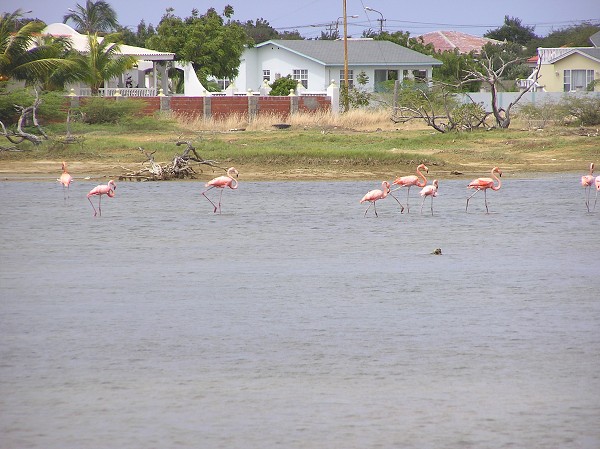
x: 252, y: 107
x: 207, y: 107
x: 294, y: 104
x: 165, y: 103
x: 333, y: 92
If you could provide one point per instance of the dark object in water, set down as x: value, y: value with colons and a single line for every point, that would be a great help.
x: 437, y: 252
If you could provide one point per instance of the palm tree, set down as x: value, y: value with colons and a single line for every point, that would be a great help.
x: 95, y: 17
x: 21, y: 57
x: 102, y: 62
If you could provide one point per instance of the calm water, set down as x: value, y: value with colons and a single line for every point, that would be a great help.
x: 291, y: 321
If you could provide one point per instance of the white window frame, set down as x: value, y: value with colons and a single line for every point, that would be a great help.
x: 301, y: 75
x: 350, y: 78
x: 568, y: 79
x: 267, y: 75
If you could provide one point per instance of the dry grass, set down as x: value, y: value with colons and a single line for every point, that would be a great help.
x: 355, y: 119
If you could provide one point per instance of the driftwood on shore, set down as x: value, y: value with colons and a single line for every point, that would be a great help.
x: 182, y: 166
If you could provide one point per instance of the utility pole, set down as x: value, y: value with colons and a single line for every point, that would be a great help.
x: 345, y: 90
x: 381, y: 20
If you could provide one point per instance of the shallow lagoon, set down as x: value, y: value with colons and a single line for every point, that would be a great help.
x: 292, y: 321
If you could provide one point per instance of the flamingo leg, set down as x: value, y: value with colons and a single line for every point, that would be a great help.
x: 432, y: 205
x: 476, y: 190
x: 407, y: 194
x: 214, y: 205
x: 587, y: 198
x: 90, y: 200
x: 485, y: 199
x: 370, y: 204
x: 220, y: 196
x: 375, y: 208
x: 401, y: 206
x: 100, y: 205
x: 596, y: 200
x: 422, y: 202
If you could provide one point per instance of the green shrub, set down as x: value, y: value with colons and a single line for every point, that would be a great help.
x: 103, y: 110
x: 52, y: 107
x: 539, y: 115
x: 468, y: 116
x: 8, y: 99
x: 282, y: 86
x: 585, y: 109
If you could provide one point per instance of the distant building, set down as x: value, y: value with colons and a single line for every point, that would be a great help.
x: 455, y: 40
x: 566, y: 69
x: 315, y: 63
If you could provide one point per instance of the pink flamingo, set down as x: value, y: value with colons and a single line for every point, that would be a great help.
x: 484, y: 184
x: 108, y: 190
x: 65, y: 179
x: 586, y: 182
x: 221, y: 182
x: 597, y: 182
x: 374, y: 195
x: 412, y: 180
x: 430, y: 190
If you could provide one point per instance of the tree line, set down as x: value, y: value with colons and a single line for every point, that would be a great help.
x: 213, y: 42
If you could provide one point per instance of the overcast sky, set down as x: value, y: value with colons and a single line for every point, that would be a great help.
x: 311, y: 17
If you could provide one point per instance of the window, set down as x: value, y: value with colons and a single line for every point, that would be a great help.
x: 223, y: 83
x: 577, y: 80
x: 267, y: 76
x: 350, y: 78
x: 302, y: 76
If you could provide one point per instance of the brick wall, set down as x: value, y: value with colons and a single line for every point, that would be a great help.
x: 190, y: 106
x: 222, y: 106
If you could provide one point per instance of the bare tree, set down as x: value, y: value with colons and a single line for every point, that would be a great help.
x: 490, y: 70
x: 20, y: 135
x: 438, y: 107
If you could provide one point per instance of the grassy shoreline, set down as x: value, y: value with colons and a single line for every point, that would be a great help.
x: 311, y: 148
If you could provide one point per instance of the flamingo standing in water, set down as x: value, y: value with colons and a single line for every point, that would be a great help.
x: 430, y: 190
x: 484, y: 184
x: 412, y: 180
x: 597, y: 182
x: 65, y: 179
x: 221, y: 182
x: 373, y: 196
x: 108, y: 190
x: 586, y: 182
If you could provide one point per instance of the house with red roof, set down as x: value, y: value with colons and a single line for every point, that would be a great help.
x: 455, y: 40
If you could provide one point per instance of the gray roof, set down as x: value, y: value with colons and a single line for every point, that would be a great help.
x: 590, y: 52
x: 595, y: 39
x: 360, y: 52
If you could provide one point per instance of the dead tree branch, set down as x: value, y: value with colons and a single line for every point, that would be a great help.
x: 180, y: 167
x: 20, y: 136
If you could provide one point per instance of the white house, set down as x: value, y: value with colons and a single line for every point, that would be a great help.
x: 315, y: 63
x: 145, y: 79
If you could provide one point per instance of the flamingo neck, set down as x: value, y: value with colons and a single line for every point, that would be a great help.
x: 234, y: 183
x: 385, y: 188
x: 422, y: 176
x: 497, y: 179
